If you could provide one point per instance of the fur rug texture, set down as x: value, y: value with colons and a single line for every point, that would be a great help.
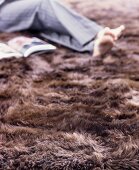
x: 69, y: 111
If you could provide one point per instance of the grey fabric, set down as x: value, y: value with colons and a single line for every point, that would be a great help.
x: 1, y: 1
x: 55, y: 22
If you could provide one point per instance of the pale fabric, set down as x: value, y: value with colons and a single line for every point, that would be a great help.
x: 1, y: 1
x: 52, y: 19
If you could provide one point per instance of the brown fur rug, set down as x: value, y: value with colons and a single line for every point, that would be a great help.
x: 69, y: 111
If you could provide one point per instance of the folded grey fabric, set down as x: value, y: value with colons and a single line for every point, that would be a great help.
x: 52, y: 19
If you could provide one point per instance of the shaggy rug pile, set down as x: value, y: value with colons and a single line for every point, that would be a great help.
x: 69, y: 111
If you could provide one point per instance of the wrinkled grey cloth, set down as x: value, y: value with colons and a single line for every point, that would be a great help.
x: 52, y: 19
x: 1, y: 1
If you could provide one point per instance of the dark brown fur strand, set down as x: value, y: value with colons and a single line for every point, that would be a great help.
x: 68, y: 111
